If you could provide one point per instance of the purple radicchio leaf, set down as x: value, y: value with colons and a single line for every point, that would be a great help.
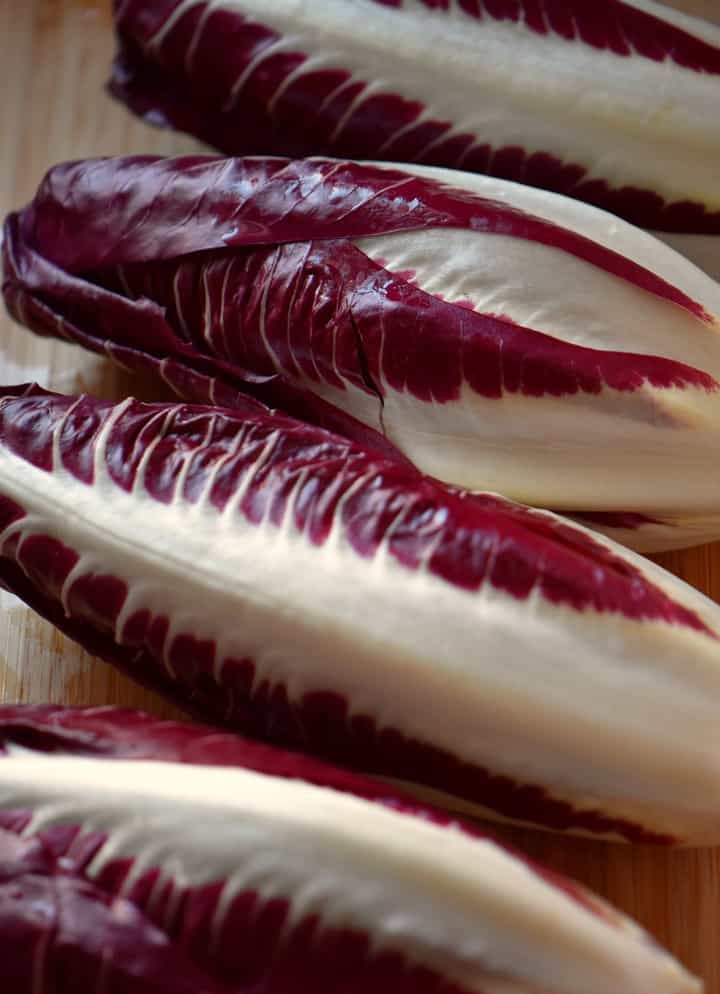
x: 146, y: 857
x: 498, y: 337
x: 613, y: 103
x: 299, y: 588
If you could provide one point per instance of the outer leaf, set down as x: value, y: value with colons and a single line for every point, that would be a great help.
x: 271, y: 873
x: 646, y: 534
x: 615, y: 103
x: 297, y: 587
x: 502, y: 338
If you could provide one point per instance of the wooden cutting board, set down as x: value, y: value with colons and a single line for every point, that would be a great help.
x: 54, y: 58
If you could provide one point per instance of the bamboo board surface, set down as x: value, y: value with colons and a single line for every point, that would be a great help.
x: 54, y: 58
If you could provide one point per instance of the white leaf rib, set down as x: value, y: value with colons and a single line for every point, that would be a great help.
x: 274, y: 48
x: 192, y: 48
x: 169, y: 24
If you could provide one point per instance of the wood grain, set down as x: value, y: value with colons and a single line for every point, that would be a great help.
x: 54, y: 58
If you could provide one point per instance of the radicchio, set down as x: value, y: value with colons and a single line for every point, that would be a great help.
x: 501, y: 338
x: 297, y: 587
x: 613, y: 102
x: 148, y: 857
